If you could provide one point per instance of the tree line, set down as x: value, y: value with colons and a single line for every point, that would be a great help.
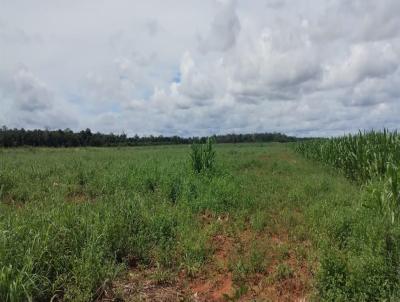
x: 84, y: 138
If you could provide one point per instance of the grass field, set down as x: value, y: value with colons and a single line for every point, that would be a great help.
x: 137, y: 224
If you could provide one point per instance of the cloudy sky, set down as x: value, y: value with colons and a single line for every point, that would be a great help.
x: 191, y: 67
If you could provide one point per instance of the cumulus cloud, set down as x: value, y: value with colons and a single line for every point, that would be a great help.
x: 367, y: 60
x: 274, y: 68
x: 193, y: 83
x: 224, y: 29
x: 376, y: 91
x: 27, y: 101
x: 30, y: 94
x: 372, y: 20
x: 275, y: 4
x: 209, y: 67
x: 152, y: 27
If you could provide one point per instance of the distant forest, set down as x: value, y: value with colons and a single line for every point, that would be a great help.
x: 68, y: 138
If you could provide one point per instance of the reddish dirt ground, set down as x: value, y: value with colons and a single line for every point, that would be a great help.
x: 216, y: 282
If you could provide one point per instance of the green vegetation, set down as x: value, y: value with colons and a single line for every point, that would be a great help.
x: 71, y: 219
x: 363, y: 157
x: 360, y: 239
x: 85, y: 138
x: 203, y: 156
x: 74, y: 221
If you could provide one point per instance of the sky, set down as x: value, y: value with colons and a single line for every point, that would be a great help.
x: 191, y: 67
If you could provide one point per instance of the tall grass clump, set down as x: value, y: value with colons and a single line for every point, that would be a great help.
x: 202, y: 156
x: 361, y: 252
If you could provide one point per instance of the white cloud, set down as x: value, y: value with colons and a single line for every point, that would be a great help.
x: 152, y: 27
x: 28, y: 102
x: 367, y: 60
x: 193, y: 83
x: 304, y: 68
x: 29, y: 93
x: 224, y: 29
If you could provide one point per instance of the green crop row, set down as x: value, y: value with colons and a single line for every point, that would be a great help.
x: 360, y: 241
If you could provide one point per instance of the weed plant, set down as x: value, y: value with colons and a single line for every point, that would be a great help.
x: 203, y: 156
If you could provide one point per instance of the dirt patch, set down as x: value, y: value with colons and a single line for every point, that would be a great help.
x: 216, y: 283
x: 223, y: 289
x: 215, y: 289
x: 142, y: 285
x: 287, y: 278
x: 284, y: 275
x: 223, y: 247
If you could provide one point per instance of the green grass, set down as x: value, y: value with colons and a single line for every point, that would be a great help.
x: 73, y: 220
